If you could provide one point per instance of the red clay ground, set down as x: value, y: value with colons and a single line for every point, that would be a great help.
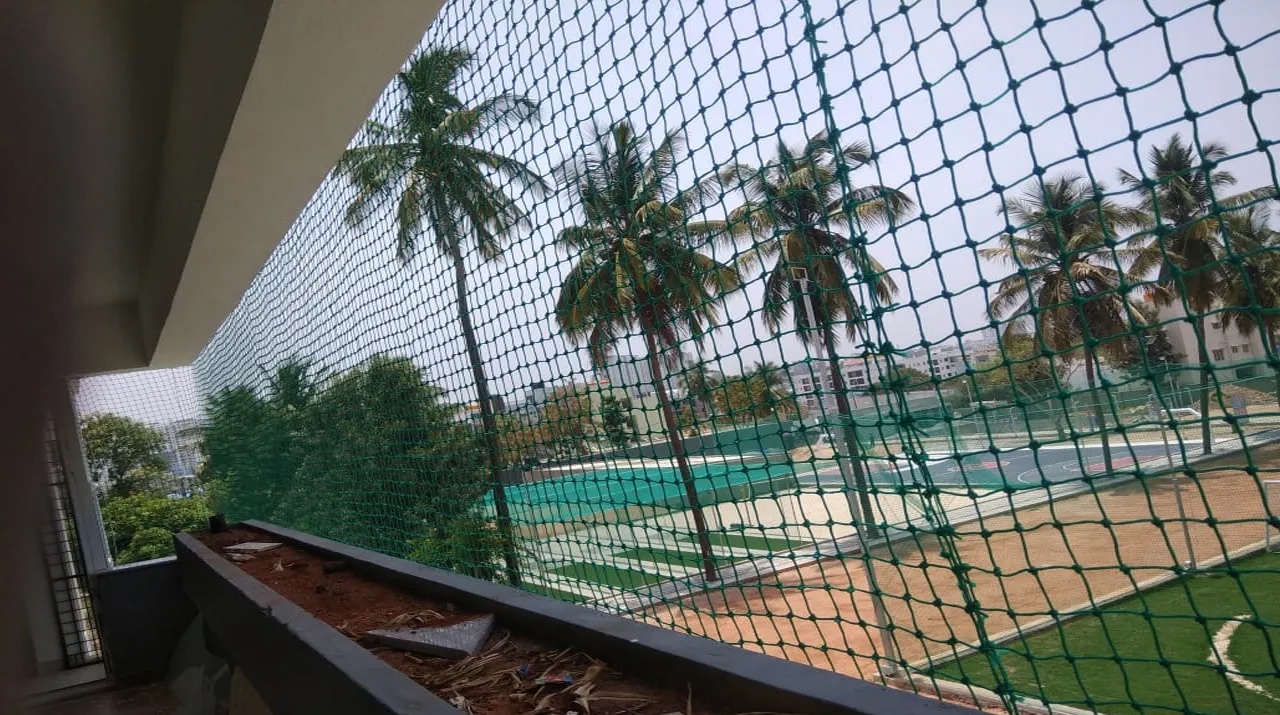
x: 1059, y: 555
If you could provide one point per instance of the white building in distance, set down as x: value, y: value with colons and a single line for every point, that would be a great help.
x: 1224, y: 343
x: 811, y: 382
x: 632, y: 374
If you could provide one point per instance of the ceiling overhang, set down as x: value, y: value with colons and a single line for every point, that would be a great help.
x: 234, y: 114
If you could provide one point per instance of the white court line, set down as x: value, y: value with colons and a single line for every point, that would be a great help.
x: 1218, y: 656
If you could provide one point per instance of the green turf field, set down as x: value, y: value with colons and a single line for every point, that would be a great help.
x: 662, y: 556
x: 556, y: 593
x: 754, y: 543
x: 615, y: 576
x: 1163, y: 637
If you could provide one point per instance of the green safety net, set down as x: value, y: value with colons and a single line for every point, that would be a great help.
x: 924, y: 341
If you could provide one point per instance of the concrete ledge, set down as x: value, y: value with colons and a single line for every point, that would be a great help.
x: 299, y: 665
x: 984, y: 698
x: 142, y: 612
x: 734, y: 678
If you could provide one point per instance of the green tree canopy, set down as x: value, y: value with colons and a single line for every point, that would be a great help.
x: 770, y: 390
x: 569, y: 421
x: 254, y: 445
x: 430, y: 164
x: 1148, y: 353
x: 141, y: 526
x: 1021, y: 372
x: 1251, y: 295
x: 385, y: 460
x: 903, y: 377
x: 803, y: 217
x: 759, y: 393
x: 1072, y: 280
x: 617, y: 422
x: 123, y: 455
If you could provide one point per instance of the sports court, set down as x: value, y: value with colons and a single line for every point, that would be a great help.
x: 609, y: 487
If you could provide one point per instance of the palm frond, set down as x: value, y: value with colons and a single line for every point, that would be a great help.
x: 409, y: 214
x: 581, y: 238
x: 874, y: 206
x: 505, y: 110
x: 376, y: 172
x: 521, y: 173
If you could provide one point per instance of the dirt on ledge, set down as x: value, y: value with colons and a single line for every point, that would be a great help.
x: 502, y: 679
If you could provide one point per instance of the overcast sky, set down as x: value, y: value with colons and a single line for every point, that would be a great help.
x: 155, y: 397
x: 945, y: 112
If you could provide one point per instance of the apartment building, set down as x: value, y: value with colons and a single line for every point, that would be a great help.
x: 1225, y: 344
x: 941, y: 361
x: 814, y: 390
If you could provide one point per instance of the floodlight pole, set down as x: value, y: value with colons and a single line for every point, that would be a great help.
x: 1177, y: 488
x: 889, y: 666
x: 800, y: 275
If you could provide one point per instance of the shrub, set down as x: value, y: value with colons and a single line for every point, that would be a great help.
x: 141, y: 527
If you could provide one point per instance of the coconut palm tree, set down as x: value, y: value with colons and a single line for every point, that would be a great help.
x: 796, y: 211
x: 768, y: 388
x: 1251, y: 298
x: 1071, y: 279
x: 700, y: 386
x: 636, y: 268
x: 1180, y: 194
x: 428, y: 163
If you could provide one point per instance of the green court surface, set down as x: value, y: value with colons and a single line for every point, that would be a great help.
x: 576, y: 496
x: 615, y: 576
x: 662, y: 556
x: 556, y: 593
x: 753, y: 543
x: 1162, y: 640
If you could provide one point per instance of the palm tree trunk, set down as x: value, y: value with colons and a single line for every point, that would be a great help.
x: 487, y: 422
x: 850, y: 437
x: 1205, y: 435
x: 682, y: 461
x: 1090, y: 360
x: 1270, y: 349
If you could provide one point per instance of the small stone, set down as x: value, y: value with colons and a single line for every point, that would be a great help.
x: 240, y: 557
x: 254, y: 547
x: 458, y: 640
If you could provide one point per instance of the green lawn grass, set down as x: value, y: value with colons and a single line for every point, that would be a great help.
x: 663, y: 556
x: 1162, y: 641
x: 609, y: 575
x: 754, y: 543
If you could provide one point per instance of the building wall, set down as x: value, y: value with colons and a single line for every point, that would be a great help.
x: 811, y: 381
x: 814, y: 390
x: 940, y: 361
x: 631, y: 374
x: 142, y: 612
x: 1224, y: 343
x: 182, y: 446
